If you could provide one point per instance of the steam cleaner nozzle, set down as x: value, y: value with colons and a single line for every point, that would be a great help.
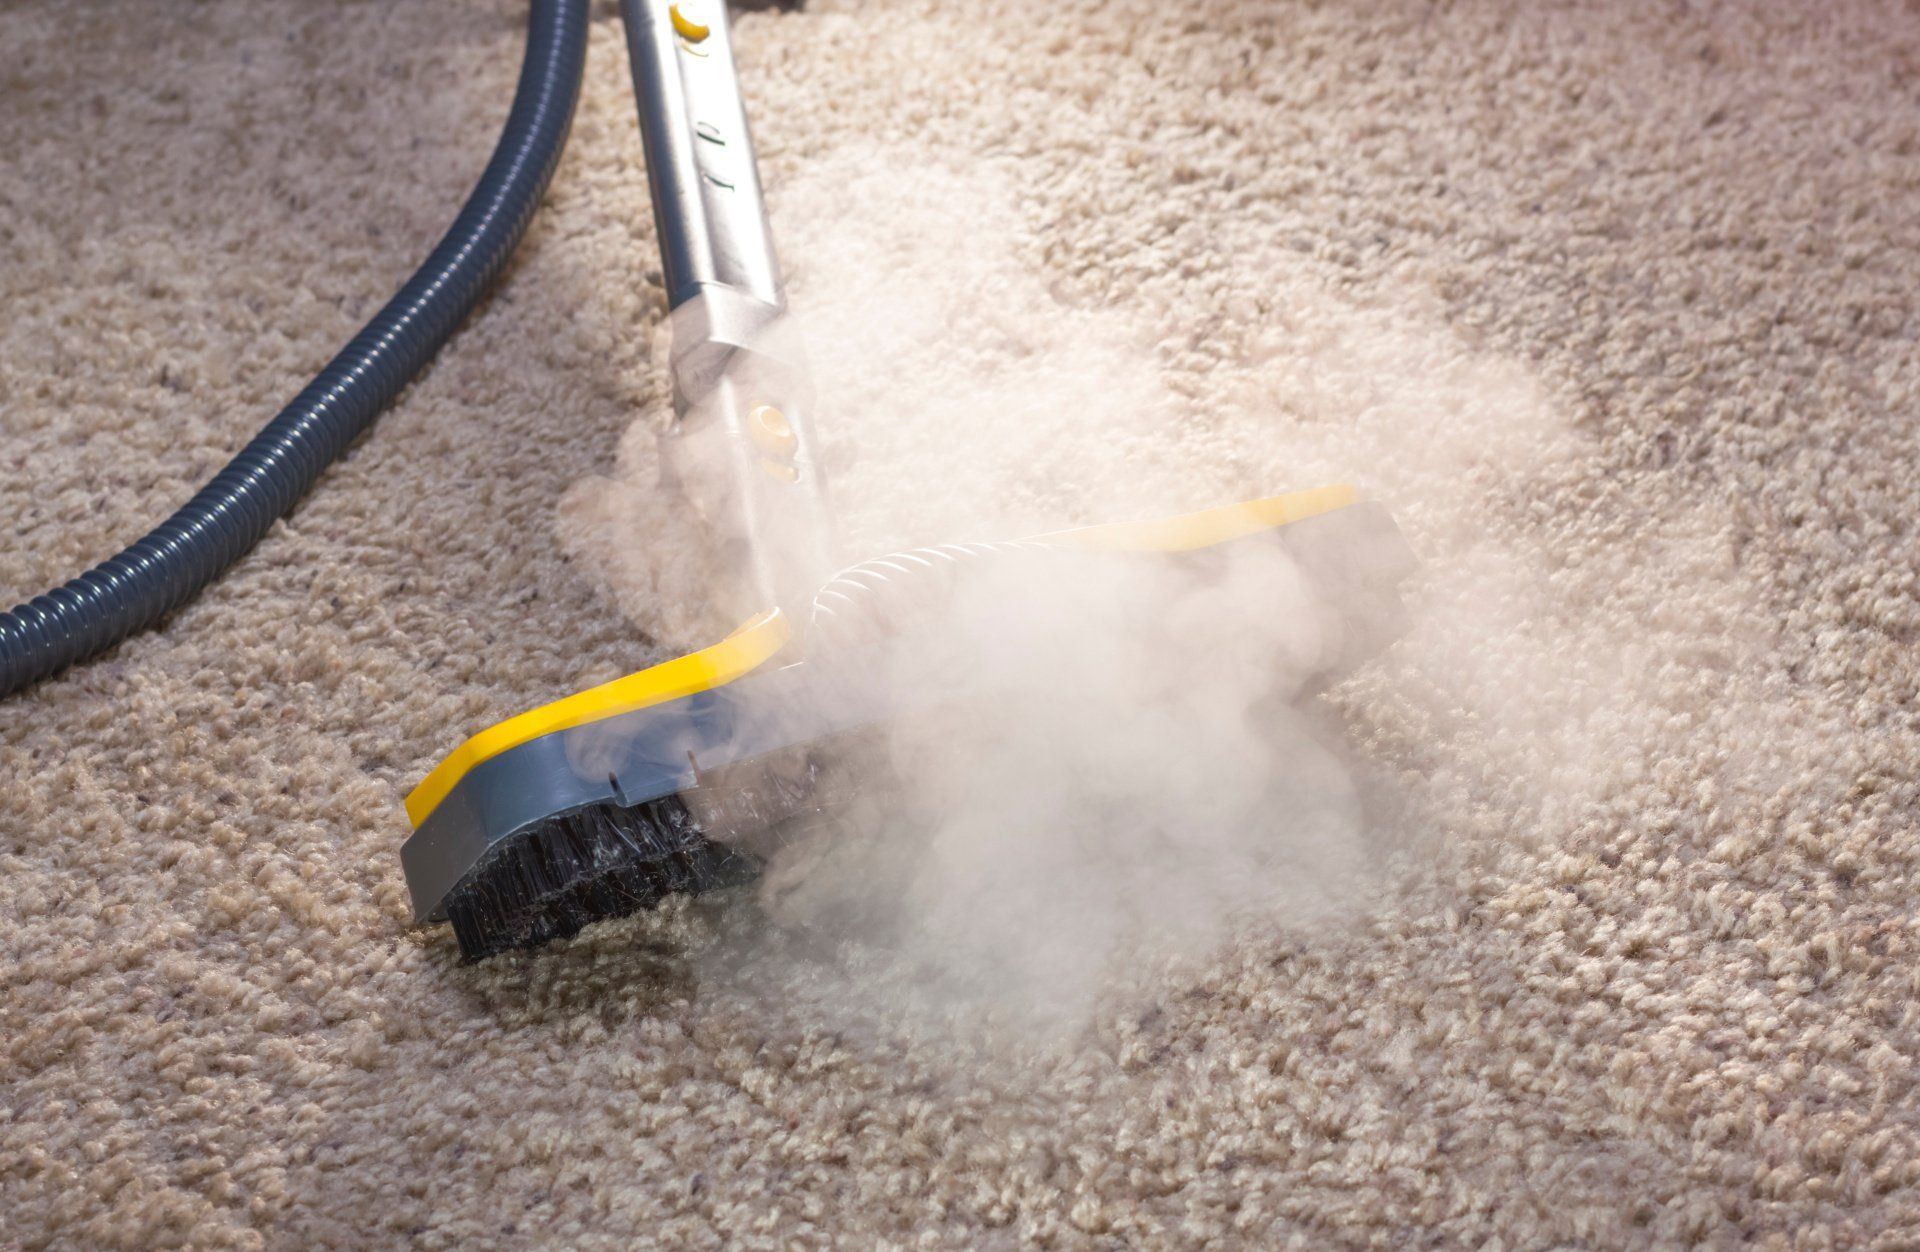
x: 610, y: 800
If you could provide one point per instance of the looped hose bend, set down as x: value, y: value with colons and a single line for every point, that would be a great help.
x: 270, y: 475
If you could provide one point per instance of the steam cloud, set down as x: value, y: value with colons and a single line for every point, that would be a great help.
x: 1116, y: 772
x: 1106, y: 768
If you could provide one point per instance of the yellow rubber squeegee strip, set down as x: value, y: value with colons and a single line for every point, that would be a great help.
x: 710, y: 667
x: 1189, y: 531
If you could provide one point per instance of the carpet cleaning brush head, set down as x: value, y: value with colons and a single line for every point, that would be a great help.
x: 669, y: 780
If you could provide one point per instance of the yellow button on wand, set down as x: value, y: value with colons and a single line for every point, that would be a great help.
x: 686, y: 27
x: 772, y: 433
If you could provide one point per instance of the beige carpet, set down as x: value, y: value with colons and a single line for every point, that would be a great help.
x: 1615, y: 305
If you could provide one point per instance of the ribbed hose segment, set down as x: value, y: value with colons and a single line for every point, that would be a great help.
x: 270, y: 475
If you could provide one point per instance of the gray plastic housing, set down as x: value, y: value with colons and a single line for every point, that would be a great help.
x: 627, y: 760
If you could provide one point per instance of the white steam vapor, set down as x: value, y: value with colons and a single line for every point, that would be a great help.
x: 1116, y: 771
x: 1107, y: 768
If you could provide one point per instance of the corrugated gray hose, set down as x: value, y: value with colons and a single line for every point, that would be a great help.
x: 270, y: 475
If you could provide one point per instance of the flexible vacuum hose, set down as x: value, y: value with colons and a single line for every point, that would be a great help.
x: 270, y: 475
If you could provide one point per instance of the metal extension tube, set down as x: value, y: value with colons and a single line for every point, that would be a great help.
x: 742, y: 449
